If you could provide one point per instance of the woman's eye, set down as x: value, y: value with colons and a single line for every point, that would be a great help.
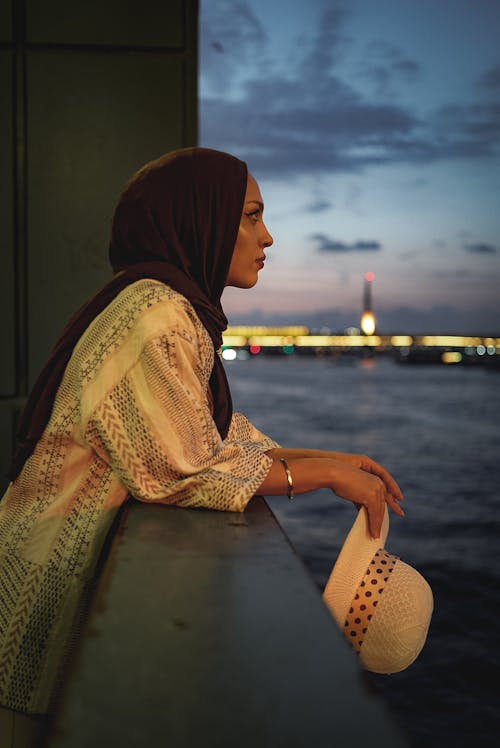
x: 254, y: 215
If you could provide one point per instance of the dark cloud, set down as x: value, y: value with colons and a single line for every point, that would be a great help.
x: 482, y: 249
x: 387, y: 68
x: 468, y: 130
x: 230, y: 37
x: 490, y: 79
x: 409, y: 70
x: 367, y: 246
x: 279, y: 137
x: 310, y: 121
x: 327, y: 244
x: 328, y: 46
x: 319, y: 206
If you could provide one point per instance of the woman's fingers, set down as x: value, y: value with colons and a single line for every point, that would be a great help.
x: 375, y: 521
x: 364, y: 485
x: 392, y: 486
x: 373, y: 467
x: 396, y: 508
x: 375, y: 506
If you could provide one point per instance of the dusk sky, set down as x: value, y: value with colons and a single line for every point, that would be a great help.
x: 373, y: 129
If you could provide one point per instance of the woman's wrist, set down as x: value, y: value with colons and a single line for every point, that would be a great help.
x: 289, y: 478
x: 307, y: 474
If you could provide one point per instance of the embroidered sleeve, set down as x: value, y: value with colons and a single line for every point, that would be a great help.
x: 155, y: 430
x: 242, y: 430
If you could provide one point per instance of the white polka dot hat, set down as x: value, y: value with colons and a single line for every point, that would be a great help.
x: 382, y: 605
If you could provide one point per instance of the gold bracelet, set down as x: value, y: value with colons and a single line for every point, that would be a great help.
x: 289, y: 478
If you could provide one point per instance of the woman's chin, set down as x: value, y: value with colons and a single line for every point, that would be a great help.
x: 243, y: 282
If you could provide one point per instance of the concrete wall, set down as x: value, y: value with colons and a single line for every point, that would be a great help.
x: 89, y: 91
x: 207, y: 630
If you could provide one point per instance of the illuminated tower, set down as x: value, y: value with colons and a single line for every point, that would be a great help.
x: 367, y: 317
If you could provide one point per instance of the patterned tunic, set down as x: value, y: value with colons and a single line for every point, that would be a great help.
x: 131, y: 417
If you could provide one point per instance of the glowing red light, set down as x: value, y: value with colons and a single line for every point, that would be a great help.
x: 255, y: 349
x: 369, y: 276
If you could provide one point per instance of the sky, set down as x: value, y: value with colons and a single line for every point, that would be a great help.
x: 373, y: 130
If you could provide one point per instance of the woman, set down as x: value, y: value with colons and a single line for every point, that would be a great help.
x: 134, y: 401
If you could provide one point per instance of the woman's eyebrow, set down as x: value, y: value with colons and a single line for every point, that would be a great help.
x: 257, y: 202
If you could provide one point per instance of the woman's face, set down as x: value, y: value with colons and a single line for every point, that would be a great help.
x: 248, y: 254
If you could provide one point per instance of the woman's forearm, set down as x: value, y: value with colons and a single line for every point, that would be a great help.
x: 291, y: 454
x: 356, y: 478
x: 308, y: 473
x: 360, y: 461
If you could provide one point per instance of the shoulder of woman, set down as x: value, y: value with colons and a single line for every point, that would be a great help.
x: 153, y: 298
x: 145, y: 313
x: 142, y: 311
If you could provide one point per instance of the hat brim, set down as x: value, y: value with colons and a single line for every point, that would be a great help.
x: 351, y: 565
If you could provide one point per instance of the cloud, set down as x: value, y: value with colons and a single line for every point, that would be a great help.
x: 327, y: 244
x: 387, y: 68
x: 279, y: 137
x: 328, y: 46
x: 468, y: 130
x: 231, y: 38
x: 481, y: 249
x: 367, y: 246
x: 319, y: 206
x: 308, y: 120
x: 490, y: 79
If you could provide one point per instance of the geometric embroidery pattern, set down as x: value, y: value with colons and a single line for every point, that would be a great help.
x: 131, y: 417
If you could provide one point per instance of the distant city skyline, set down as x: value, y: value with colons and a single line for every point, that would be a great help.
x: 373, y: 129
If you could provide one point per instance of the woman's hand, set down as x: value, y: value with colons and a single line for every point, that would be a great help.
x: 367, y: 484
x: 353, y: 477
x: 362, y: 462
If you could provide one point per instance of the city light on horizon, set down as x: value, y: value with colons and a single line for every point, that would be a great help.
x: 276, y: 337
x: 368, y: 323
x: 430, y: 349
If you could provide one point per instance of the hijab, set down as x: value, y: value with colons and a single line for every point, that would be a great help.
x: 177, y: 222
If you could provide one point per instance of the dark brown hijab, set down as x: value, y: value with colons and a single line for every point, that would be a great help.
x: 176, y: 221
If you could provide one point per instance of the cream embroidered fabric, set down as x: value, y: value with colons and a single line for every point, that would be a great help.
x: 131, y: 417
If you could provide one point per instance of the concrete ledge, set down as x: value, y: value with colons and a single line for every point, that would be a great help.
x: 207, y: 630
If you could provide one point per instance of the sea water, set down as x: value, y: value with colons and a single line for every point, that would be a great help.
x: 436, y: 429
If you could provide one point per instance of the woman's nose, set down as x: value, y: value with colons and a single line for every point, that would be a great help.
x: 268, y: 239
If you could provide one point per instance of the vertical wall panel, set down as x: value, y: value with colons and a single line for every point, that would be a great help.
x: 5, y: 20
x: 101, y: 88
x: 92, y: 121
x: 7, y: 413
x: 127, y: 22
x: 7, y: 280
